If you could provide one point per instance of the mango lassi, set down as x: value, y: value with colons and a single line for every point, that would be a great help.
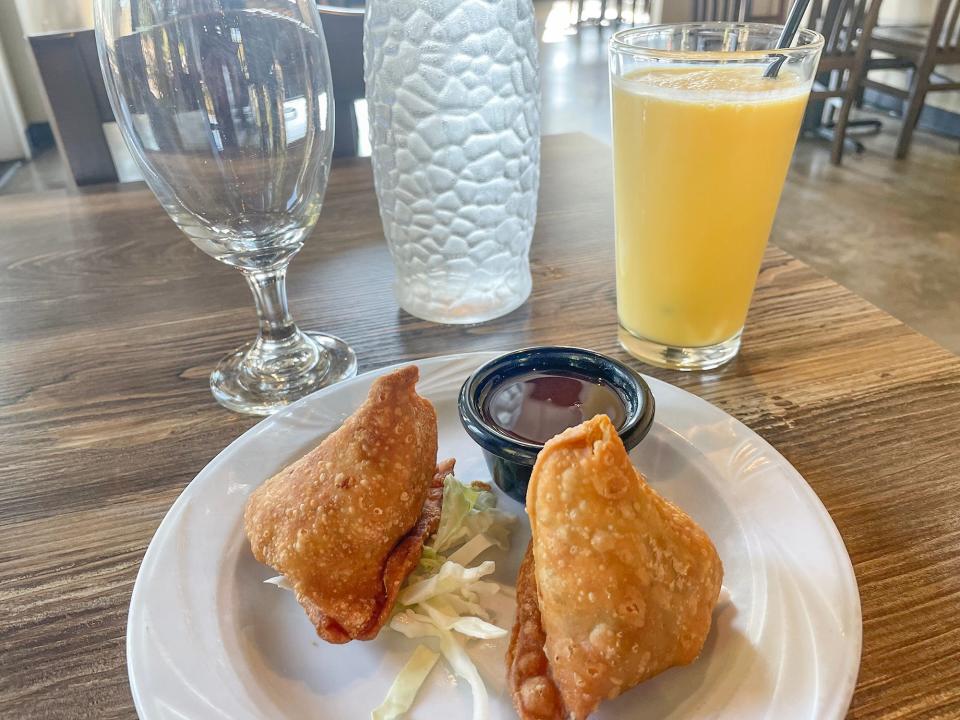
x: 700, y: 156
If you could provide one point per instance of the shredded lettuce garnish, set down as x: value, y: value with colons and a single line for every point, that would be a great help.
x: 413, y: 625
x: 444, y: 598
x: 468, y: 511
x: 404, y: 689
x: 280, y: 581
x: 451, y: 578
x: 471, y: 549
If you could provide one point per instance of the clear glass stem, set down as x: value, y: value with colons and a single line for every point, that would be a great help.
x: 283, y: 364
x: 281, y: 353
x: 270, y: 295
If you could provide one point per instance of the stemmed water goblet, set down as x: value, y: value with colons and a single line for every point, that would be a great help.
x: 227, y: 107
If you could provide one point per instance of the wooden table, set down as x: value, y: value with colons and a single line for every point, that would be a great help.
x: 111, y: 322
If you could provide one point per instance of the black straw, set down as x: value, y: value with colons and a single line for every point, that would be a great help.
x: 789, y: 32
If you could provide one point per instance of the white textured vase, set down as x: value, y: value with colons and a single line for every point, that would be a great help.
x: 453, y: 100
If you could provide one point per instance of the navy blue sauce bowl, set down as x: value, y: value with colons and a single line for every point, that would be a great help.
x: 511, y: 460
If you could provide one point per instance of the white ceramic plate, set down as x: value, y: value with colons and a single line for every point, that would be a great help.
x: 207, y: 639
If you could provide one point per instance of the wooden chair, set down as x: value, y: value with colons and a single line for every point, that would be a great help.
x: 739, y: 11
x: 846, y: 26
x: 919, y: 50
x: 620, y: 4
x: 721, y: 10
x: 343, y: 30
x: 71, y: 75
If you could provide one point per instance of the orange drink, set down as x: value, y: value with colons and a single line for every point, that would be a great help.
x: 701, y: 150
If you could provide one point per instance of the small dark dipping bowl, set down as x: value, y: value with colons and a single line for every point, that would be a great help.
x: 513, y: 404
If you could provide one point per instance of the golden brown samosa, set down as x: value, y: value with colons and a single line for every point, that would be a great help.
x: 346, y: 523
x: 618, y: 586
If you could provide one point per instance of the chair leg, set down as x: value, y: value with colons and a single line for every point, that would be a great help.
x: 918, y: 93
x: 840, y: 128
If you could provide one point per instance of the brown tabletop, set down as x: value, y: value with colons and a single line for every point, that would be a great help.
x: 111, y: 322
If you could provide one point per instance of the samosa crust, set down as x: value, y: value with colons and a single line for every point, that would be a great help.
x: 626, y: 582
x: 345, y: 524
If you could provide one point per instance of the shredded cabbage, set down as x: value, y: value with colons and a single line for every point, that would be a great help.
x: 404, y: 689
x: 414, y: 625
x: 469, y: 551
x: 430, y: 560
x: 446, y: 617
x: 451, y: 578
x: 466, y: 512
x: 460, y: 662
x: 280, y: 581
x: 444, y: 597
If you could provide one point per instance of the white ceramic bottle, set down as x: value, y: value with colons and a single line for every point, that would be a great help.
x: 453, y: 100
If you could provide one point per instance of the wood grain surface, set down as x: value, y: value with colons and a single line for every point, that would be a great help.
x: 111, y: 322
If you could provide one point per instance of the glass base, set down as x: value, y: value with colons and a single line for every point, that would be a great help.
x: 679, y: 358
x: 262, y: 377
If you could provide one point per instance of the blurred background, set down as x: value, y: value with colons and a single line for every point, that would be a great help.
x: 885, y: 221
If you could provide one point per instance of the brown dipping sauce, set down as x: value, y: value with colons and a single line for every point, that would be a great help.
x: 536, y: 406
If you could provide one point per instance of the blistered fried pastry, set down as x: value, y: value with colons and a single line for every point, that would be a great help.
x: 625, y: 582
x: 346, y: 523
x: 535, y: 694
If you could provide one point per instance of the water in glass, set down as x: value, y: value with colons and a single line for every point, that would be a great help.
x: 226, y: 105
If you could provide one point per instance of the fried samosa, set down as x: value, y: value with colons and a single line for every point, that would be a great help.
x: 618, y: 584
x: 346, y: 523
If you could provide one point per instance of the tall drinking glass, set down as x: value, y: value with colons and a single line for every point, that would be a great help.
x: 227, y: 107
x: 702, y: 139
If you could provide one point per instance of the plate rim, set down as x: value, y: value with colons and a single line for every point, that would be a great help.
x: 837, y: 706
